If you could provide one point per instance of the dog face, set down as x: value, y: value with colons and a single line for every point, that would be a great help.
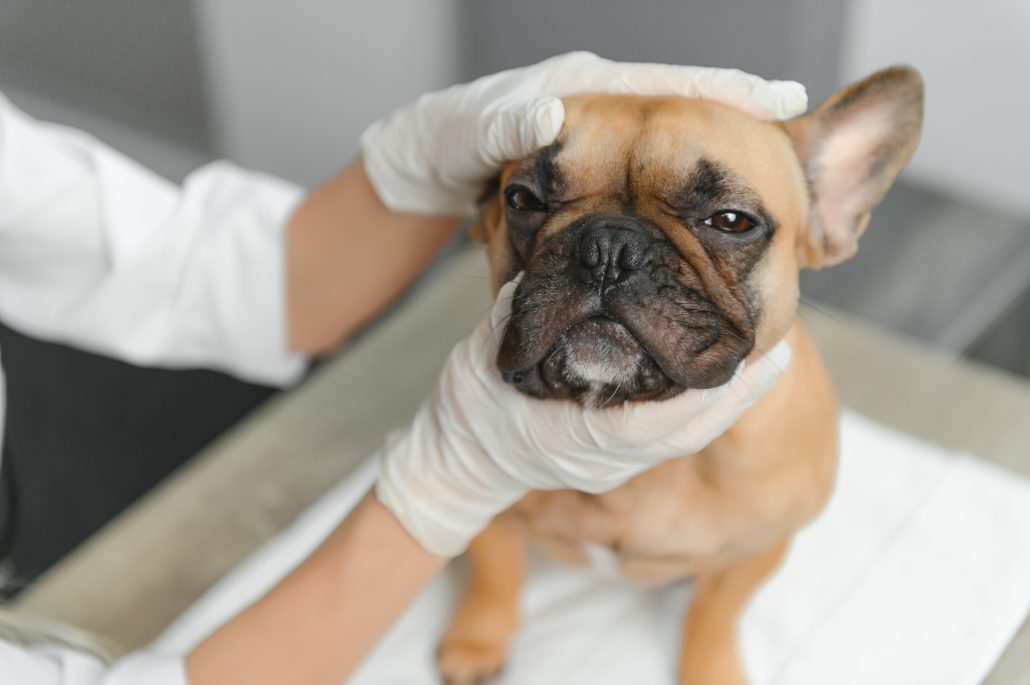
x: 661, y: 237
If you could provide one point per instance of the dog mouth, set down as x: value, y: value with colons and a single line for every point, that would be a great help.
x: 609, y: 311
x: 597, y: 362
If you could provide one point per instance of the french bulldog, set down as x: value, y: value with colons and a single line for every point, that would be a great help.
x: 661, y: 240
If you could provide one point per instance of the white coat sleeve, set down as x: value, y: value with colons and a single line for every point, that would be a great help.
x: 61, y: 666
x: 100, y: 253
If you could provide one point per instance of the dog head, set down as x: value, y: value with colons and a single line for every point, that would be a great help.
x: 661, y: 237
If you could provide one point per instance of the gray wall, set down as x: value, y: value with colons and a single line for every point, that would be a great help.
x: 785, y: 39
x: 291, y: 86
x: 281, y: 87
x: 133, y: 61
x: 287, y: 88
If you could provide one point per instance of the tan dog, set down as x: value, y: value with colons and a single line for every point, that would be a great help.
x: 661, y: 240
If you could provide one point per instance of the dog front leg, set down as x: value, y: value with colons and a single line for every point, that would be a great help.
x: 476, y: 643
x: 709, y: 653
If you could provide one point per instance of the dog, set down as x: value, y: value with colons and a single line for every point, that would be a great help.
x: 661, y: 240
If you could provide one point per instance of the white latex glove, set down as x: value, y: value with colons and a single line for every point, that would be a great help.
x: 433, y: 156
x: 477, y: 445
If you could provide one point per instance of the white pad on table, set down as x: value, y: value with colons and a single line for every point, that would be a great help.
x: 917, y: 572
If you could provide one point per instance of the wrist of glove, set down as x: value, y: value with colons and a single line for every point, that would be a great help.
x: 476, y: 445
x: 433, y: 156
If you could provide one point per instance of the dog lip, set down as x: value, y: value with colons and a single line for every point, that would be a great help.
x: 602, y: 318
x: 519, y: 358
x: 683, y: 379
x: 522, y: 346
x: 599, y: 317
x: 527, y: 365
x: 533, y: 378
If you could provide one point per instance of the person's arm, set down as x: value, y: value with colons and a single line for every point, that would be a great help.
x: 98, y: 252
x: 313, y: 628
x: 317, y: 625
x: 348, y: 256
x: 233, y: 269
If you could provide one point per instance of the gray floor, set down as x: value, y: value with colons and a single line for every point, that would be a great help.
x: 940, y: 270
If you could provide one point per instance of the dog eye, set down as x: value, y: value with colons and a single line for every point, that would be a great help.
x: 730, y: 222
x: 522, y: 200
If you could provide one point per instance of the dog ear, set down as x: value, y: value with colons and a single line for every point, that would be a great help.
x: 852, y: 147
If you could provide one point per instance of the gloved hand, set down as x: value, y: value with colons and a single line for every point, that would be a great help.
x: 432, y: 157
x: 477, y: 445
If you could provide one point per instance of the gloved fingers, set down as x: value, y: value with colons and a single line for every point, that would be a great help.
x: 752, y: 94
x: 393, y: 161
x: 752, y: 381
x: 758, y: 97
x: 515, y: 130
x: 692, y: 418
x: 586, y: 72
x: 501, y: 310
x: 561, y: 70
x: 433, y: 156
x: 504, y: 131
x: 648, y: 422
x: 439, y: 487
x: 761, y: 375
x: 749, y: 385
x: 477, y: 353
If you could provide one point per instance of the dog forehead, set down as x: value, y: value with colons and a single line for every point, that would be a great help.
x: 657, y: 142
x: 603, y: 131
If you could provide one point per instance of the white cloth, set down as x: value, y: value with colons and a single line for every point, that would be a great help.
x: 917, y: 573
x: 58, y: 666
x: 100, y: 253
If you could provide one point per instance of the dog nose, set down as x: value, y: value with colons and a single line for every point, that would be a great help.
x: 610, y: 253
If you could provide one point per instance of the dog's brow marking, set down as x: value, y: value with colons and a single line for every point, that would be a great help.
x: 546, y: 171
x: 709, y: 183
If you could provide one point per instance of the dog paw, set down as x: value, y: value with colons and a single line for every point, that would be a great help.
x: 466, y: 662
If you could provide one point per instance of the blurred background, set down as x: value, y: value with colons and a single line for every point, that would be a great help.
x: 288, y: 87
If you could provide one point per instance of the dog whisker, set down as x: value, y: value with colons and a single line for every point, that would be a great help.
x: 618, y: 388
x: 822, y: 310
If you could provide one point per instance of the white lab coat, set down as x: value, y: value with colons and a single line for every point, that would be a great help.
x: 100, y: 253
x: 50, y: 665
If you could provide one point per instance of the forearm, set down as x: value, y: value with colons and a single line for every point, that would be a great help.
x: 348, y: 256
x: 317, y: 625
